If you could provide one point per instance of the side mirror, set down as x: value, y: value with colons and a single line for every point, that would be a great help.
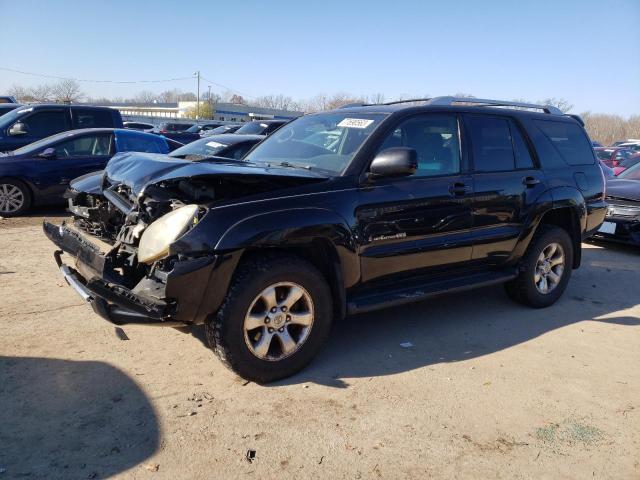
x: 394, y: 162
x: 18, y: 128
x: 48, y: 153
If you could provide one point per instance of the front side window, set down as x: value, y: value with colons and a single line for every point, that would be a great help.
x: 491, y: 143
x: 46, y: 123
x: 297, y: 143
x: 569, y: 140
x: 86, y: 146
x: 435, y: 140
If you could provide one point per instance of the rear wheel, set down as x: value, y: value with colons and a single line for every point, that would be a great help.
x: 15, y: 197
x: 545, y: 268
x: 276, y: 316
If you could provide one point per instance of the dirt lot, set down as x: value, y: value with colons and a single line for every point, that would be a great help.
x: 489, y: 389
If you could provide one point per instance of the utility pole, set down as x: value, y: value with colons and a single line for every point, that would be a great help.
x: 210, y: 107
x: 197, y: 74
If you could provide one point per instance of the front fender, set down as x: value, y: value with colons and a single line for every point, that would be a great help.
x: 296, y: 227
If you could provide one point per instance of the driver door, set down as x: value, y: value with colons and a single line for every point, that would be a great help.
x: 74, y: 157
x: 420, y: 223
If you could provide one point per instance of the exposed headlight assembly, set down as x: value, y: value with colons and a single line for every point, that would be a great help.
x: 627, y: 211
x: 155, y: 240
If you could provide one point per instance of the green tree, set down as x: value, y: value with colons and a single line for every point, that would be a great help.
x: 206, y: 112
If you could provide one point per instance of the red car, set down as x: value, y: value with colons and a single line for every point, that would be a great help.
x: 613, y: 156
x: 629, y: 162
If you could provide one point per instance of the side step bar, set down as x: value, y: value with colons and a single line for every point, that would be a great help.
x: 369, y: 301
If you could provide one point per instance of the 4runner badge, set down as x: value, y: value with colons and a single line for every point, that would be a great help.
x: 389, y: 237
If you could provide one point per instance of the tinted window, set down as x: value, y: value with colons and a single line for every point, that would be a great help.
x: 569, y: 140
x: 435, y: 139
x: 491, y: 143
x: 45, y: 123
x: 130, y: 142
x: 92, y: 118
x: 86, y: 146
x: 523, y: 154
x: 604, y: 154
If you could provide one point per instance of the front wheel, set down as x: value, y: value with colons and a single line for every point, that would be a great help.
x: 276, y: 316
x: 545, y: 269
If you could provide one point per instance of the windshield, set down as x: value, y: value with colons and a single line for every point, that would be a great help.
x: 325, y: 141
x: 632, y: 173
x: 193, y: 129
x: 253, y: 128
x: 604, y: 154
x: 10, y: 117
x: 203, y: 148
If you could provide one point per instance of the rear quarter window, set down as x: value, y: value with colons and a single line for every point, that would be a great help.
x: 568, y: 140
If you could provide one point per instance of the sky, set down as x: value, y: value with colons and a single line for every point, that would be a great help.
x: 585, y: 51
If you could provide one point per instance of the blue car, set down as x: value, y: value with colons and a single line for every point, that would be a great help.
x: 39, y: 173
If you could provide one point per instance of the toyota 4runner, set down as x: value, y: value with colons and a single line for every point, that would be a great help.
x: 336, y: 213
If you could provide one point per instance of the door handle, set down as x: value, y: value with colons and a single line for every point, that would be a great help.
x: 459, y: 189
x: 530, y: 181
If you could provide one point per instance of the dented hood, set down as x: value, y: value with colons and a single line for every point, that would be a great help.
x: 137, y: 170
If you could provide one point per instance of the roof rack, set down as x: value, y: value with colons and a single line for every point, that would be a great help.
x: 494, y: 103
x: 444, y: 101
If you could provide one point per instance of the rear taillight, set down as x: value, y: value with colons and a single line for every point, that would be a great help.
x: 604, y: 183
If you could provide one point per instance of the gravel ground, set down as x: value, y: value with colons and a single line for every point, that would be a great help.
x: 487, y: 389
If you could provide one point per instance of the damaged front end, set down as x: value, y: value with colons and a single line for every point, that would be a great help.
x: 131, y: 262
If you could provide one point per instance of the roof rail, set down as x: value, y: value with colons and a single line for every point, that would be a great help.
x: 494, y: 103
x: 483, y: 102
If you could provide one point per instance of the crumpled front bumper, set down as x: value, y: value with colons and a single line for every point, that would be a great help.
x: 165, y: 298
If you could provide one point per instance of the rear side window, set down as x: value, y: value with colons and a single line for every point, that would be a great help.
x: 491, y: 143
x: 91, y: 118
x: 569, y: 140
x: 140, y: 143
x: 87, y: 146
x: 46, y: 123
x: 523, y: 154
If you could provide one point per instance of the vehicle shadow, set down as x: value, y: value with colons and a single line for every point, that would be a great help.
x: 469, y: 325
x: 72, y: 419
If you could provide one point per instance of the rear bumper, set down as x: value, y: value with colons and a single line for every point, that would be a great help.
x: 171, y: 298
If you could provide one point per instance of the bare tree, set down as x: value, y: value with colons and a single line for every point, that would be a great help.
x: 67, y: 91
x: 560, y: 103
x: 145, y: 96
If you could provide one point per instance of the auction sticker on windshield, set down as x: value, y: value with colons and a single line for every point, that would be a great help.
x: 355, y: 123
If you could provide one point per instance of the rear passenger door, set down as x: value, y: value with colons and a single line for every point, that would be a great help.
x: 506, y: 180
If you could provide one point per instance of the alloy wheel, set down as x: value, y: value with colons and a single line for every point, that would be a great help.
x: 279, y: 321
x: 549, y: 268
x: 11, y: 198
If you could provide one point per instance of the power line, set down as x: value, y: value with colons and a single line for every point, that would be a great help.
x: 228, y: 88
x: 86, y: 80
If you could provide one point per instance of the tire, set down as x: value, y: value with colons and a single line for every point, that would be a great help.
x: 15, y: 197
x: 246, y: 305
x: 528, y: 287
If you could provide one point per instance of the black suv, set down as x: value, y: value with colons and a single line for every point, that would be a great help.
x: 29, y: 123
x: 337, y: 213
